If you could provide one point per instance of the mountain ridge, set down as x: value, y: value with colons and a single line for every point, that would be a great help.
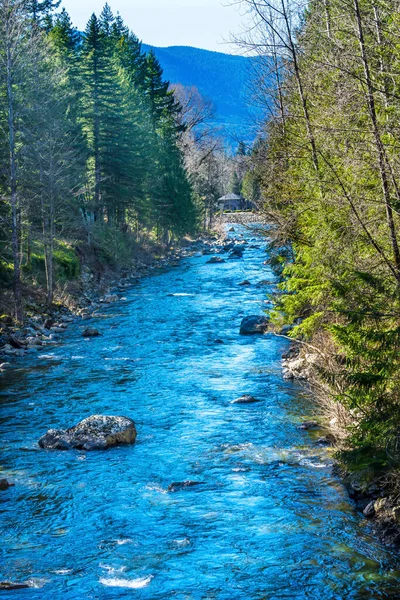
x: 220, y: 77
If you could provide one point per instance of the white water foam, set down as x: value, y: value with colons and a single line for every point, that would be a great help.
x: 134, y: 584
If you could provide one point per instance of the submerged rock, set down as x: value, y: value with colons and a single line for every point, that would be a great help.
x: 245, y: 282
x: 324, y: 441
x: 13, y: 585
x: 181, y: 485
x: 215, y: 260
x: 245, y: 399
x: 97, y: 432
x: 4, y: 366
x: 5, y: 484
x: 16, y: 343
x: 254, y: 324
x: 90, y: 332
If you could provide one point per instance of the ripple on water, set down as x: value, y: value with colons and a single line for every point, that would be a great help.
x: 270, y: 519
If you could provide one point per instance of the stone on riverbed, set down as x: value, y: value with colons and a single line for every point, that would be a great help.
x: 90, y: 332
x: 181, y: 485
x: 4, y: 484
x: 214, y: 260
x: 236, y: 253
x: 245, y: 399
x: 254, y: 324
x: 369, y: 510
x: 5, y: 366
x: 13, y: 585
x: 97, y: 432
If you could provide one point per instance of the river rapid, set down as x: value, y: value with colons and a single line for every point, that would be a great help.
x: 268, y: 519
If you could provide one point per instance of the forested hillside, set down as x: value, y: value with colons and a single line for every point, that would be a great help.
x: 90, y: 148
x: 224, y: 79
x: 330, y: 172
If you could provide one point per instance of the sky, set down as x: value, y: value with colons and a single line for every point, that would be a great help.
x: 200, y: 23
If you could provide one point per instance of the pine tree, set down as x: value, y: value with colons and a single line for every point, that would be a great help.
x: 41, y: 12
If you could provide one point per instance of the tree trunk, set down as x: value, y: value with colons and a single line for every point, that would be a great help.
x: 382, y: 159
x: 300, y: 87
x: 15, y: 230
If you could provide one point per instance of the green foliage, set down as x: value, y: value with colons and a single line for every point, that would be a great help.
x: 112, y: 247
x: 329, y: 174
x: 96, y: 142
x: 66, y: 262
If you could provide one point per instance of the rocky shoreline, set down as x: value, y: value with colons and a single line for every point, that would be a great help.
x: 371, y: 493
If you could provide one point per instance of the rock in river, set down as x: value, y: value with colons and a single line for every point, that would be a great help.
x: 214, y: 260
x: 245, y: 399
x: 236, y: 253
x: 97, y: 432
x: 181, y: 485
x: 4, y: 484
x: 13, y: 585
x: 90, y: 332
x: 254, y: 324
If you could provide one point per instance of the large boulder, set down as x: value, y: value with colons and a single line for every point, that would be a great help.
x: 97, y: 432
x: 254, y: 324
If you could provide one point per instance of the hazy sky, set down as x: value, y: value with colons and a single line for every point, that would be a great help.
x: 200, y: 23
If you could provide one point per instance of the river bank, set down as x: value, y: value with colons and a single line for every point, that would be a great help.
x: 374, y: 492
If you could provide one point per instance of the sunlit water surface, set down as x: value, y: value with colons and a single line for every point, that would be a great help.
x: 269, y: 519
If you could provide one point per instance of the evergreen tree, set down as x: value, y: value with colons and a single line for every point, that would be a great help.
x: 93, y: 140
x: 41, y: 11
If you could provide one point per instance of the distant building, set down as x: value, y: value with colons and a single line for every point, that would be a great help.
x: 232, y: 202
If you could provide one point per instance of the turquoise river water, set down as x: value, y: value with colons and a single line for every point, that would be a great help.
x: 269, y: 519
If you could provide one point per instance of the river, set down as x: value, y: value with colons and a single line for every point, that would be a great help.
x: 268, y: 520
